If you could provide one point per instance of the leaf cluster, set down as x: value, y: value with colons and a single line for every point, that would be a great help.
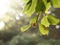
x: 40, y: 7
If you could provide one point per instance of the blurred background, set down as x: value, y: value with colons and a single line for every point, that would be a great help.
x: 12, y: 19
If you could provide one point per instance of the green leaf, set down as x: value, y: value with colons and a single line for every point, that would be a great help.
x: 55, y: 3
x: 33, y: 20
x: 45, y: 22
x: 25, y: 28
x: 43, y: 30
x: 31, y: 8
x: 40, y: 6
x: 26, y: 1
x: 26, y: 7
x: 44, y: 1
x: 47, y: 7
x: 53, y: 20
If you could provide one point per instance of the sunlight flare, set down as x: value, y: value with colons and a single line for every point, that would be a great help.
x: 2, y: 24
x: 4, y: 7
